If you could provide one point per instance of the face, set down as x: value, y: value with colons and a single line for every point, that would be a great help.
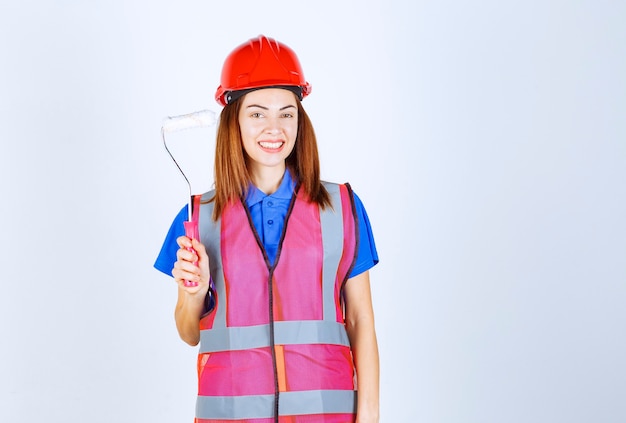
x: 268, y: 120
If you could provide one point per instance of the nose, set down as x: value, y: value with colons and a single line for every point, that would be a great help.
x: 272, y: 125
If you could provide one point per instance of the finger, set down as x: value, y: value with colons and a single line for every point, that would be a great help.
x: 184, y: 242
x: 182, y: 275
x: 187, y: 254
x: 187, y: 266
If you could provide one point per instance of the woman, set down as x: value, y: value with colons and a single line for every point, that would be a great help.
x: 279, y: 295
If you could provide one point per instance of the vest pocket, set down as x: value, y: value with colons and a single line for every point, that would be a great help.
x: 236, y: 373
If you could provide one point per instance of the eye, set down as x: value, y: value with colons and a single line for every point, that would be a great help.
x: 287, y: 115
x: 256, y: 115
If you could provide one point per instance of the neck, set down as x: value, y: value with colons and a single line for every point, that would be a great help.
x: 268, y: 179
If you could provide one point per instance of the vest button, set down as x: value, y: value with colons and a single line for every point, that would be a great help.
x: 270, y: 222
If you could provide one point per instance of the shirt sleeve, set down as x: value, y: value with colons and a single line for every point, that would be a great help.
x: 167, y: 256
x: 367, y: 256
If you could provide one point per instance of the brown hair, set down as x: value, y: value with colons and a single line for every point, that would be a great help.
x: 231, y: 173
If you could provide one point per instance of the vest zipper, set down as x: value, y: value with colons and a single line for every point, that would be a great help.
x: 273, y: 344
x: 270, y: 286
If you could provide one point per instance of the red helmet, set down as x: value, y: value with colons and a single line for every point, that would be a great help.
x: 259, y: 63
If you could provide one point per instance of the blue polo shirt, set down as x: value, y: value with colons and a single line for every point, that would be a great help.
x: 268, y: 214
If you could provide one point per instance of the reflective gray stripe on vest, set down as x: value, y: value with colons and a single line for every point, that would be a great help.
x: 332, y: 239
x: 262, y: 406
x: 287, y: 333
x: 210, y: 237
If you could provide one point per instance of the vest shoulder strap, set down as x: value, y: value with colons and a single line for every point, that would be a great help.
x: 209, y: 229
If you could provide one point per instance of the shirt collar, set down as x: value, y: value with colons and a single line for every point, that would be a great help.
x: 284, y: 191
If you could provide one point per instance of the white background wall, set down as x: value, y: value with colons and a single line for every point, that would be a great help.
x: 487, y: 140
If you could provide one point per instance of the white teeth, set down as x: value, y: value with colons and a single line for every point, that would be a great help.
x: 266, y: 144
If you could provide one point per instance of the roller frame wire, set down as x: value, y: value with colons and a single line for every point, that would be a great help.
x: 203, y: 118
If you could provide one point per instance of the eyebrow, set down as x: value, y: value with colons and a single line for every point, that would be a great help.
x: 266, y: 108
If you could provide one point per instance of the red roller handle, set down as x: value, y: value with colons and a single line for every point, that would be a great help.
x: 191, y: 231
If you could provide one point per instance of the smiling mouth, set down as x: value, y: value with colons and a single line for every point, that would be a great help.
x: 272, y: 145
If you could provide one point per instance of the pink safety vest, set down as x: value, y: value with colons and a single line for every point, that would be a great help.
x: 274, y: 347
